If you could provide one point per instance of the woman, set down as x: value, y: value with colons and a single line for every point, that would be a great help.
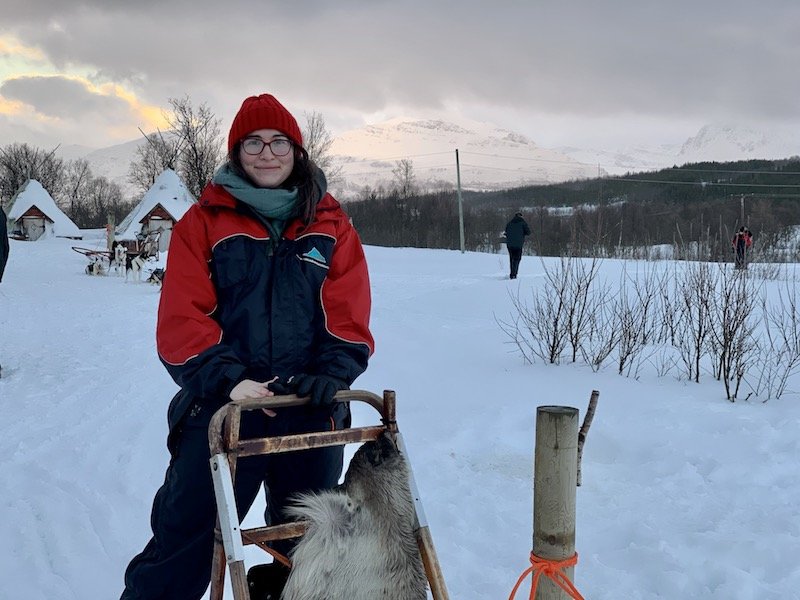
x: 267, y: 291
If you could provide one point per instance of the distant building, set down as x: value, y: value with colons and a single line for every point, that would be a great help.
x: 157, y: 212
x: 34, y: 215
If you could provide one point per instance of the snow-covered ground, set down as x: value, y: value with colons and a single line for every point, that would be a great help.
x: 684, y: 494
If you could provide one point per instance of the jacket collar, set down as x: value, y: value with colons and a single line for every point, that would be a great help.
x: 215, y: 196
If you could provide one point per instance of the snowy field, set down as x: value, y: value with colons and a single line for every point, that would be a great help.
x: 684, y: 494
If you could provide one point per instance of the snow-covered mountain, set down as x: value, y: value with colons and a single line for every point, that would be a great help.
x: 114, y: 163
x: 714, y: 142
x: 631, y: 159
x: 489, y: 157
x: 725, y: 141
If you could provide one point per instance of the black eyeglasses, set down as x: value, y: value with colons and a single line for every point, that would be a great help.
x: 278, y: 147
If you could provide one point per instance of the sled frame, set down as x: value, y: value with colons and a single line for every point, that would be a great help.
x: 226, y: 448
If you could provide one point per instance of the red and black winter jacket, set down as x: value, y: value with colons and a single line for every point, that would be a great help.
x: 235, y: 305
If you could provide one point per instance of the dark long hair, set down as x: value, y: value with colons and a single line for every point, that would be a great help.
x: 303, y: 177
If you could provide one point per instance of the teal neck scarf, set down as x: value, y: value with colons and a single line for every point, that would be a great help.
x: 274, y: 205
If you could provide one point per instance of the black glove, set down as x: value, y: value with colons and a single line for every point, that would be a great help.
x: 283, y: 387
x: 320, y: 388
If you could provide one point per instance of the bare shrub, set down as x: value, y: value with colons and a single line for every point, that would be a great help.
x: 560, y: 312
x: 730, y: 339
x: 601, y: 336
x: 694, y: 290
x: 634, y: 320
x: 579, y: 304
x: 780, y: 350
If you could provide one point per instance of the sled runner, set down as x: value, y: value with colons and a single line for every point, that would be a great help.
x: 226, y: 447
x: 93, y: 254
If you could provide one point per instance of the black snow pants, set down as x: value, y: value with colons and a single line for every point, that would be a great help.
x: 515, y: 256
x: 176, y: 562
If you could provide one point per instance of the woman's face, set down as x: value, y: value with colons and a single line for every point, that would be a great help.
x: 265, y: 169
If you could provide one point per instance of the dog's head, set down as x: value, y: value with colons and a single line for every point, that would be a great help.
x: 376, y: 470
x: 156, y: 277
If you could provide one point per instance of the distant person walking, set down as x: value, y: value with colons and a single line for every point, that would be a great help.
x: 741, y: 242
x: 4, y: 247
x: 516, y: 230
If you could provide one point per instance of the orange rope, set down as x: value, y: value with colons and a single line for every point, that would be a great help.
x: 552, y: 569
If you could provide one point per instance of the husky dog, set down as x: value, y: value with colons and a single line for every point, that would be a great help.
x: 156, y: 277
x: 133, y: 267
x: 360, y: 544
x: 95, y: 267
x: 120, y: 258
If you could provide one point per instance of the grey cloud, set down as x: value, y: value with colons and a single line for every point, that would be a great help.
x: 62, y: 97
x: 590, y: 59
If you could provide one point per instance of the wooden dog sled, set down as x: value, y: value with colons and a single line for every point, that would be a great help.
x: 226, y: 447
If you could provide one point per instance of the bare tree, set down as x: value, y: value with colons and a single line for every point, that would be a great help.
x: 104, y: 197
x: 77, y: 176
x: 317, y: 141
x: 199, y: 142
x: 404, y: 179
x: 21, y: 162
x: 159, y: 153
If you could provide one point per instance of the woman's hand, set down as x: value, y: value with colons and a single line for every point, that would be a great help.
x: 247, y: 389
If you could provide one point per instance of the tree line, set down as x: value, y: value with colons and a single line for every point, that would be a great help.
x: 85, y: 198
x: 191, y: 145
x: 694, y: 210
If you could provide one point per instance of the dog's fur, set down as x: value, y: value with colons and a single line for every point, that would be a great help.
x: 120, y: 258
x: 360, y: 544
x: 133, y: 267
x: 156, y: 277
x: 95, y: 267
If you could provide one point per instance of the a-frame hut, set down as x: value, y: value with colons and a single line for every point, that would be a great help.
x: 159, y: 209
x: 34, y: 215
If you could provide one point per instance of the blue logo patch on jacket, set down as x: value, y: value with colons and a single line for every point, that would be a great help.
x: 314, y: 256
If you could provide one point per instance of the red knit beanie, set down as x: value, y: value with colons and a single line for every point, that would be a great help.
x: 263, y: 112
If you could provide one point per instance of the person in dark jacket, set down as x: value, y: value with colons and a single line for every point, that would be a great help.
x: 4, y: 248
x: 515, y: 232
x: 741, y: 242
x: 268, y: 292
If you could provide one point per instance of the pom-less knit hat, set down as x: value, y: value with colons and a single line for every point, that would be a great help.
x: 263, y: 112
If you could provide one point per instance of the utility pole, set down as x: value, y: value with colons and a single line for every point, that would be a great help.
x: 460, y: 205
x: 741, y: 204
x: 110, y: 232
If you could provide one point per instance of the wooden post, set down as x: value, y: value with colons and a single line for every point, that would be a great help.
x: 460, y: 205
x: 554, y: 491
x: 110, y: 233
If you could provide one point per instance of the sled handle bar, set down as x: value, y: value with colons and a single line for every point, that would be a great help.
x: 229, y: 415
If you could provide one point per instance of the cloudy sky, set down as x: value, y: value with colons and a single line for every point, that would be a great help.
x: 562, y: 72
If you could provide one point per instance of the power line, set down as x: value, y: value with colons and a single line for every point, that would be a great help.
x: 486, y: 167
x: 406, y: 156
x: 378, y: 171
x: 564, y: 162
x: 682, y: 170
x: 704, y: 183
